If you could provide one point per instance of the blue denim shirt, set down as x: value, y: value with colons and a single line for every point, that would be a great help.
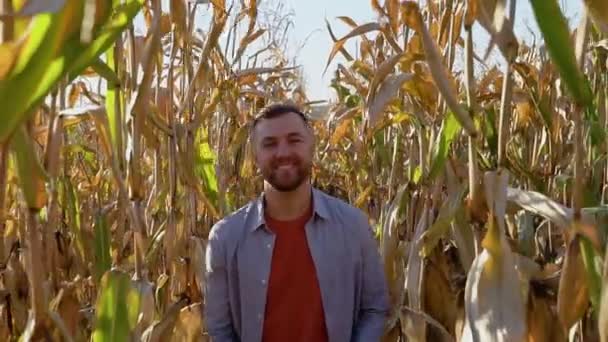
x: 349, y: 270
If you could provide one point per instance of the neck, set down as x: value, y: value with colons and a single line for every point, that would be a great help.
x: 287, y: 205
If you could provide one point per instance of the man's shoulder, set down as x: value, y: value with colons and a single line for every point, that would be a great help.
x: 354, y: 220
x: 231, y: 224
x: 341, y: 208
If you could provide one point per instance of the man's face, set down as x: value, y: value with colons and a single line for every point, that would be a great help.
x: 283, y: 151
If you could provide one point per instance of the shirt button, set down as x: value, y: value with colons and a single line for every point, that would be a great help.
x: 268, y: 246
x: 264, y: 281
x: 260, y: 317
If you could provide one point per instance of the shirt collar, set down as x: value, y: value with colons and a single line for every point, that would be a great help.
x: 318, y: 201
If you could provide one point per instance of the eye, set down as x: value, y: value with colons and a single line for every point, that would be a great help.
x: 268, y: 144
x: 295, y: 140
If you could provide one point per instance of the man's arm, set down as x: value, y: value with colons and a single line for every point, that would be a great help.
x: 217, y: 307
x: 374, y: 309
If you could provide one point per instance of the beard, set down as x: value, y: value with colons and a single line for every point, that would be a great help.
x: 287, y: 175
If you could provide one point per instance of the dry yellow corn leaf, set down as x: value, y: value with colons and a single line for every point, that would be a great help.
x: 392, y: 8
x: 377, y: 7
x: 9, y: 51
x: 387, y: 93
x: 340, y: 132
x: 189, y: 324
x: 412, y: 17
x: 603, y: 314
x: 162, y: 330
x: 598, y: 11
x: 572, y: 297
x: 471, y: 13
x: 32, y: 176
x: 542, y: 322
x: 493, y: 281
x: 359, y: 30
x: 440, y: 301
x: 414, y: 279
x: 499, y: 16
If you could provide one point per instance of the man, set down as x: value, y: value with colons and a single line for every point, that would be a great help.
x: 296, y: 264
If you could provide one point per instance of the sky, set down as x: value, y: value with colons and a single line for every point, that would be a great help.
x: 309, y: 28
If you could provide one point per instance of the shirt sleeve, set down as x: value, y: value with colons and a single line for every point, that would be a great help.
x: 218, y: 317
x: 374, y: 309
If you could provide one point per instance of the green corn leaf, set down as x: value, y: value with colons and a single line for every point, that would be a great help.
x: 449, y: 131
x: 431, y: 237
x: 491, y: 131
x: 205, y: 169
x: 116, y: 309
x: 73, y: 207
x: 113, y: 107
x: 593, y: 268
x: 16, y: 91
x: 123, y: 15
x: 417, y: 175
x: 596, y: 131
x: 41, y: 31
x: 556, y: 34
x: 103, y: 261
x: 104, y: 70
x: 31, y: 175
x: 48, y: 64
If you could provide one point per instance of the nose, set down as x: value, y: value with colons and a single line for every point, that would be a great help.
x: 282, y: 149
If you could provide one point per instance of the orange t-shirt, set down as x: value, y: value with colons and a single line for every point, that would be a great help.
x: 294, y: 309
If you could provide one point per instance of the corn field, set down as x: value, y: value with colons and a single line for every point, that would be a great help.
x: 487, y: 185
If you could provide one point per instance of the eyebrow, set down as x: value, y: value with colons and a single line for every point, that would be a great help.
x: 294, y: 134
x: 289, y: 135
x: 271, y: 138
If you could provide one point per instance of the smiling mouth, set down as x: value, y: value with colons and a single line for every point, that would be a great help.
x: 286, y: 167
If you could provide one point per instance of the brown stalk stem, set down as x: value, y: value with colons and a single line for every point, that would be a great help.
x: 36, y: 269
x: 577, y: 190
x: 136, y: 190
x: 157, y: 176
x: 227, y: 47
x: 505, y: 114
x: 512, y: 11
x: 470, y: 85
x: 3, y: 166
x: 53, y: 167
x: 201, y: 69
x: 171, y: 165
x: 395, y: 158
x: 507, y: 89
x: 123, y: 201
x: 137, y: 238
x: 118, y: 51
x: 133, y: 81
x: 7, y: 25
x: 604, y: 119
x: 233, y: 53
x: 581, y: 39
x: 422, y: 155
x: 451, y: 47
x: 118, y: 162
x: 189, y: 148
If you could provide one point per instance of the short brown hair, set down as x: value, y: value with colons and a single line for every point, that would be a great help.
x: 277, y: 110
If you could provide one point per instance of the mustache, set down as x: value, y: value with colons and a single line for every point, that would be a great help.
x: 286, y: 160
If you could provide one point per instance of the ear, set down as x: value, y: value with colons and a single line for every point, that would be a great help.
x: 311, y: 132
x: 251, y: 146
x: 313, y: 140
